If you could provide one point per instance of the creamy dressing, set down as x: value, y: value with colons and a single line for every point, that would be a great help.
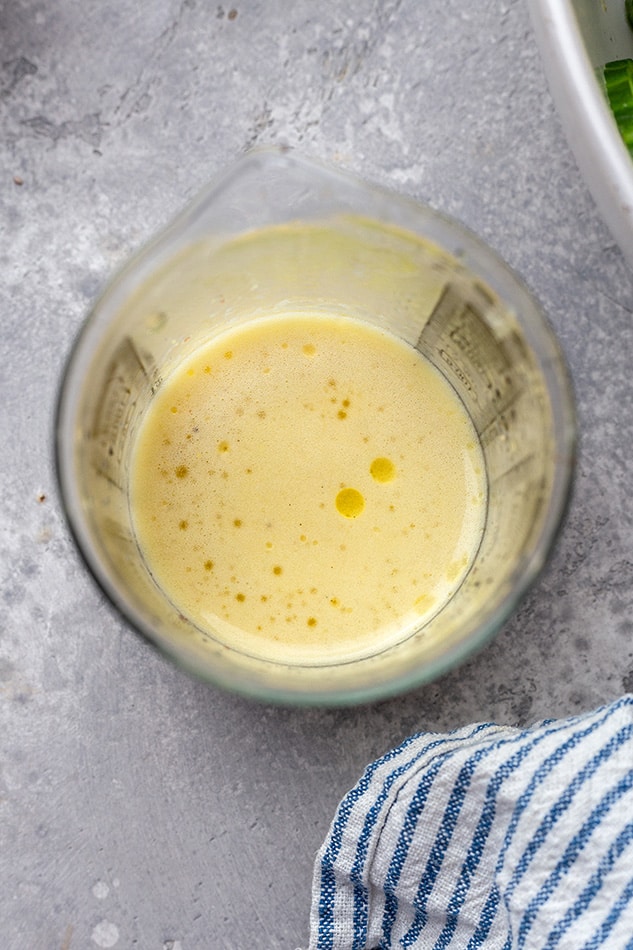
x: 308, y: 487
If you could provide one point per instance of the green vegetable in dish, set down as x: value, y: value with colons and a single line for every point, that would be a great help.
x: 618, y: 80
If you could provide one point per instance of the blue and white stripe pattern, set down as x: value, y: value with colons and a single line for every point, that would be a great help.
x: 488, y: 837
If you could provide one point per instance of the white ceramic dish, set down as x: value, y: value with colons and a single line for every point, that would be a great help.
x: 576, y: 38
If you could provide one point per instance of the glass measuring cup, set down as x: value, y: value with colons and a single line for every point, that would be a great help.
x: 278, y: 233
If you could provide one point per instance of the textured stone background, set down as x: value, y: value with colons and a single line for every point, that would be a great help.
x: 139, y: 808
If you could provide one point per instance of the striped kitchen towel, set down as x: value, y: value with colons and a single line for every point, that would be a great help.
x: 489, y: 837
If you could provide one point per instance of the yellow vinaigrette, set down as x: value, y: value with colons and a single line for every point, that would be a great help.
x: 307, y: 486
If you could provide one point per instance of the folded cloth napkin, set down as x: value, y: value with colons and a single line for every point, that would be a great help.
x: 489, y: 837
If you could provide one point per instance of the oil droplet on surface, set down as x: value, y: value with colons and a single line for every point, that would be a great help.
x: 182, y: 471
x: 350, y: 503
x: 309, y: 349
x: 277, y: 569
x: 382, y: 470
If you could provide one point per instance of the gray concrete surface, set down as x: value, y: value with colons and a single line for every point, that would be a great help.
x: 139, y: 809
